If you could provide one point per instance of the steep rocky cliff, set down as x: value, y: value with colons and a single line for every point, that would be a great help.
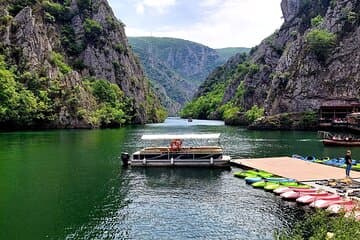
x: 313, y: 59
x: 177, y: 67
x: 72, y: 61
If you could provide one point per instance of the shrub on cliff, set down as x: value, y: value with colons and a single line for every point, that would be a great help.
x: 254, y: 113
x: 320, y: 42
x: 92, y: 29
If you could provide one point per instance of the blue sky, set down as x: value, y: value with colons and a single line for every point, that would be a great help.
x: 215, y: 23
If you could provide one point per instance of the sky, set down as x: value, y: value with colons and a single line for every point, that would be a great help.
x: 215, y: 23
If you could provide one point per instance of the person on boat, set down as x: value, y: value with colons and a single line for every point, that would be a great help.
x: 348, y: 162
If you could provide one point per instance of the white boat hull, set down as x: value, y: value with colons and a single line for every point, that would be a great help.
x: 224, y: 162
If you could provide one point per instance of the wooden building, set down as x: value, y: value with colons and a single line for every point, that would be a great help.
x: 353, y: 120
x: 336, y: 115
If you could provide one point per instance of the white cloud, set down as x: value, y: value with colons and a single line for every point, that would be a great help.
x: 160, y: 6
x: 226, y: 24
x: 140, y: 9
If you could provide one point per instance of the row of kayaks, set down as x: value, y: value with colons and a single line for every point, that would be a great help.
x: 336, y: 162
x: 290, y: 189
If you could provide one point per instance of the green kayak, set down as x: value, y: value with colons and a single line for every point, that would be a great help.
x: 356, y: 167
x: 260, y: 184
x: 271, y: 186
x: 289, y: 184
x: 244, y: 174
x: 264, y: 174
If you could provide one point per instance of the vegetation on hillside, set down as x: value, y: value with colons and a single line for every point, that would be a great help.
x: 226, y: 53
x: 322, y: 226
x: 211, y: 104
x: 48, y: 92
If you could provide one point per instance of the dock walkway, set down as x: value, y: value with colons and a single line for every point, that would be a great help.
x: 300, y: 170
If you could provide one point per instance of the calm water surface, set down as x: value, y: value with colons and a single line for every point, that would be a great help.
x: 70, y: 185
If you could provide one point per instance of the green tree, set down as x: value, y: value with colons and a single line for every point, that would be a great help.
x: 320, y: 42
x: 254, y: 113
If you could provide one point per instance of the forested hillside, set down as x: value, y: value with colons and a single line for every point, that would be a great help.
x: 177, y: 67
x: 67, y: 64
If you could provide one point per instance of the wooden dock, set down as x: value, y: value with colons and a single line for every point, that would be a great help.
x: 297, y: 169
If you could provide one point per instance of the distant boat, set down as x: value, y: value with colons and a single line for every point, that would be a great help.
x: 190, y: 119
x: 342, y: 142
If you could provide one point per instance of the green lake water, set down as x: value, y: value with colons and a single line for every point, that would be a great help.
x: 69, y: 184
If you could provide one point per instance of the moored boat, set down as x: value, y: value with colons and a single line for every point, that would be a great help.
x: 178, y: 155
x: 342, y: 142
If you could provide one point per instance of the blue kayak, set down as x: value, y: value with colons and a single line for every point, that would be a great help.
x: 253, y: 179
x: 280, y: 180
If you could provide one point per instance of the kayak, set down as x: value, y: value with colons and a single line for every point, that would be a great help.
x: 244, y: 174
x: 259, y: 184
x: 289, y: 184
x: 274, y: 179
x: 337, y: 208
x: 326, y: 203
x: 321, y: 160
x: 281, y: 190
x: 270, y: 186
x: 264, y: 174
x: 252, y: 179
x: 307, y: 199
x: 291, y: 195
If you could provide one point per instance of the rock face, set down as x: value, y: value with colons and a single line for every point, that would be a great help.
x: 291, y: 75
x: 177, y: 67
x: 45, y: 38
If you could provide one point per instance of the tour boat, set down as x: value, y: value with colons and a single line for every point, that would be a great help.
x: 307, y: 199
x: 326, y: 203
x: 177, y: 154
x: 342, y: 142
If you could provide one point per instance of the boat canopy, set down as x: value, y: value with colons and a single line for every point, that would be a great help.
x: 180, y: 136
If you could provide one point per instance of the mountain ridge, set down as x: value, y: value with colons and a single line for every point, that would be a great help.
x: 176, y: 67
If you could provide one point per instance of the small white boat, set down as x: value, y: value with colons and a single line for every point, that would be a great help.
x: 177, y: 154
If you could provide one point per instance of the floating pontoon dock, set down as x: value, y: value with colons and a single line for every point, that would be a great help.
x: 300, y: 170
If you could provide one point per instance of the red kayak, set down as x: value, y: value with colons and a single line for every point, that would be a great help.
x: 294, y: 195
x: 326, y: 203
x: 281, y: 190
x: 337, y: 208
x: 307, y: 199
